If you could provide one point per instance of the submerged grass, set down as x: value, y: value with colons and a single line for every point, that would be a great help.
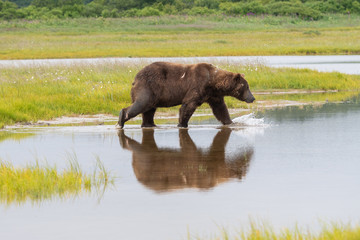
x: 256, y: 231
x: 29, y: 94
x: 170, y: 36
x: 38, y: 183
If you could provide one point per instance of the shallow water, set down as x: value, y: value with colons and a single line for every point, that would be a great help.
x: 298, y: 165
x: 349, y: 64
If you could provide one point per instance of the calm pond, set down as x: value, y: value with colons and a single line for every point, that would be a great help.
x: 301, y: 165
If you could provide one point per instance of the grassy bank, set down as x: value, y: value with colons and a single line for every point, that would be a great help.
x: 34, y: 93
x: 169, y: 36
x: 37, y: 183
x: 335, y: 231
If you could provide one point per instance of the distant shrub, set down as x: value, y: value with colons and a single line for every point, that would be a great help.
x: 355, y: 7
x: 93, y: 9
x: 130, y: 13
x: 159, y: 6
x: 8, y: 14
x: 169, y: 9
x: 32, y: 12
x: 231, y: 8
x: 114, y: 13
x: 56, y: 13
x: 325, y: 6
x: 210, y: 4
x: 121, y: 5
x: 148, y: 11
x: 8, y: 10
x: 105, y: 13
x: 74, y: 11
x: 183, y: 4
x: 253, y: 7
x: 200, y: 11
x: 293, y: 9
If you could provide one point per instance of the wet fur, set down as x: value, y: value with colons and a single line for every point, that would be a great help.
x: 163, y: 84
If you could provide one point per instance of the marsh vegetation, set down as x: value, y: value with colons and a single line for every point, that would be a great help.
x: 39, y: 182
x: 170, y: 36
x: 263, y: 231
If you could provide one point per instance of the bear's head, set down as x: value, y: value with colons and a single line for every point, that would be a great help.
x: 241, y: 89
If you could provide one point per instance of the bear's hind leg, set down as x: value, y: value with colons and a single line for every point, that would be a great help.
x: 148, y: 118
x: 121, y: 121
x: 139, y: 106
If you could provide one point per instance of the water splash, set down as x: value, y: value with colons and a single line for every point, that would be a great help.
x: 250, y: 127
x: 250, y: 120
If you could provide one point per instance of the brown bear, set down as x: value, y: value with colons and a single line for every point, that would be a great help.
x: 164, y: 84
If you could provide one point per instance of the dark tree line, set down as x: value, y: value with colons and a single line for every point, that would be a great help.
x: 43, y: 9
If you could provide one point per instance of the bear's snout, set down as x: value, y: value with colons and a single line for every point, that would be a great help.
x: 249, y: 98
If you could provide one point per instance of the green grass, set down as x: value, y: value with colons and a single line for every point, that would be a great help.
x: 170, y: 36
x: 41, y: 93
x: 333, y: 231
x: 38, y: 183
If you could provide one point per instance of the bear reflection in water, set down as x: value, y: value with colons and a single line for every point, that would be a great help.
x: 164, y: 169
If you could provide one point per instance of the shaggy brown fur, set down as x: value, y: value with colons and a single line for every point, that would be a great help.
x: 163, y: 84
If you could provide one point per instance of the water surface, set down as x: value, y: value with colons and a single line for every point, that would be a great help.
x: 301, y: 166
x: 349, y: 64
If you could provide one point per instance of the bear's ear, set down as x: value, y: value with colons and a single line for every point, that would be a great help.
x: 237, y: 77
x: 238, y: 80
x: 243, y: 75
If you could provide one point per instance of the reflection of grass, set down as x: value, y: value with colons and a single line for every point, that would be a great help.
x: 315, y: 97
x: 38, y: 183
x: 265, y: 232
x: 33, y: 93
x: 159, y: 36
x: 4, y: 135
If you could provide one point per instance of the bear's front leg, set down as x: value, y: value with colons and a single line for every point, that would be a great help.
x: 186, y: 111
x: 220, y: 110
